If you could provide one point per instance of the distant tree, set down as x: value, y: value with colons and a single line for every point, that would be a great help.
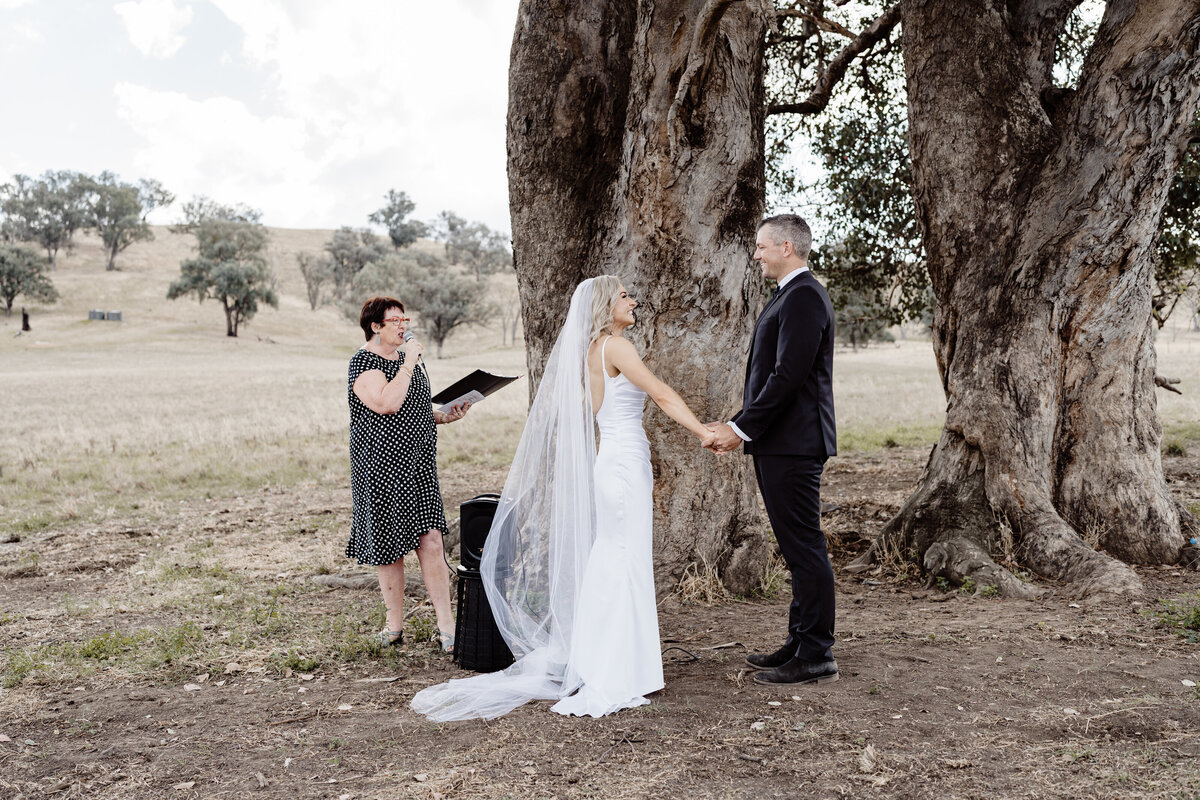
x: 317, y: 270
x: 502, y: 290
x: 441, y: 297
x: 349, y: 252
x: 1178, y: 269
x: 859, y: 319
x: 394, y: 217
x: 444, y: 228
x: 48, y: 210
x: 23, y: 271
x: 472, y: 244
x: 201, y: 208
x: 117, y: 211
x: 864, y: 307
x: 230, y: 267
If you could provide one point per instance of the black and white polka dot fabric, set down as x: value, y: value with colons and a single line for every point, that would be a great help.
x: 393, y: 468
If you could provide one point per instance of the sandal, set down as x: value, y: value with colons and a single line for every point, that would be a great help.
x: 445, y: 641
x: 390, y: 638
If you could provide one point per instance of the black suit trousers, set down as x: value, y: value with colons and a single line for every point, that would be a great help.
x: 791, y: 491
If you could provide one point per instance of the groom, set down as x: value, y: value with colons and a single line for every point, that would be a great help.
x: 786, y: 423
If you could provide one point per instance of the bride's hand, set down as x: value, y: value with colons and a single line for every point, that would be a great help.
x: 708, y: 441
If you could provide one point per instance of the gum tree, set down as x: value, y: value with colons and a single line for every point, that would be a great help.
x: 635, y: 147
x: 1038, y: 207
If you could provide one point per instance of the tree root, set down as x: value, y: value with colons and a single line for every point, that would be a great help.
x: 952, y: 522
x: 1053, y: 548
x: 959, y: 560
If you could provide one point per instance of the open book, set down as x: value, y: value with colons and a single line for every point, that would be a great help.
x: 471, y: 389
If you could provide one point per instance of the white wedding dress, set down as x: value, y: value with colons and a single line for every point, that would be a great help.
x: 567, y: 565
x: 615, y: 648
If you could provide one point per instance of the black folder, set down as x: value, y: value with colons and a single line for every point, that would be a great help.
x: 472, y: 388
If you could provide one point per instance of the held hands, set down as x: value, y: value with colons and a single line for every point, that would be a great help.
x: 456, y: 413
x: 723, y: 439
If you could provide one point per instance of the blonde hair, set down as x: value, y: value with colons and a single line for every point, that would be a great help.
x: 606, y: 290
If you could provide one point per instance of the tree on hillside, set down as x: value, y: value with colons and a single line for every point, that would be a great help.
x: 507, y: 302
x: 482, y: 250
x: 47, y: 210
x: 1038, y: 206
x: 317, y: 270
x: 117, y: 211
x: 394, y: 217
x: 440, y: 297
x: 349, y: 251
x: 635, y: 147
x: 230, y: 267
x: 23, y: 271
x: 201, y: 209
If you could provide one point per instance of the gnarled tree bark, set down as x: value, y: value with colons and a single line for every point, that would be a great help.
x: 635, y: 147
x: 1039, y: 226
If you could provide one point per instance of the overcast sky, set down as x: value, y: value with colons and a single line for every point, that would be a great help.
x: 309, y: 110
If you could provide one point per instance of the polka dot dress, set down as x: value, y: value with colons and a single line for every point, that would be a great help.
x: 393, y: 468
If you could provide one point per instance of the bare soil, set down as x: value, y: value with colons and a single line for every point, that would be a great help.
x: 942, y: 694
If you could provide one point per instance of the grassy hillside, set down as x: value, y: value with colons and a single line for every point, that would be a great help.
x: 103, y: 417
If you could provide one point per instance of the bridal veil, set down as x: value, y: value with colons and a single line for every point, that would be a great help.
x: 537, y: 549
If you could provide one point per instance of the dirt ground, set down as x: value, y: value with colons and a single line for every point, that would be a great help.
x: 942, y: 694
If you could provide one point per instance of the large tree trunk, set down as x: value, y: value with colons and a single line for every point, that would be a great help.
x: 635, y: 140
x: 1039, y: 224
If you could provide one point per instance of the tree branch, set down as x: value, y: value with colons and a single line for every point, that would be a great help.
x: 697, y: 59
x: 833, y: 74
x: 1167, y: 383
x: 1037, y: 26
x: 816, y: 18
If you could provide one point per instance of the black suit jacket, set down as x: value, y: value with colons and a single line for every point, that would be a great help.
x: 787, y: 405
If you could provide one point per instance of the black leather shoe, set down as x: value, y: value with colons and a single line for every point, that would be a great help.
x: 771, y: 660
x: 797, y: 671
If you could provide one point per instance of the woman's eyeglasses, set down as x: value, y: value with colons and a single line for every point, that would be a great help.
x: 397, y: 321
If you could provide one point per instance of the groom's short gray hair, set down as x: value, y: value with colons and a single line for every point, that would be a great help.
x: 790, y: 228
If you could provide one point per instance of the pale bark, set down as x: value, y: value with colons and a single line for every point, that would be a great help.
x: 1040, y: 232
x: 636, y: 148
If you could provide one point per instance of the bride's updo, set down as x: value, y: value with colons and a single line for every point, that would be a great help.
x: 606, y: 290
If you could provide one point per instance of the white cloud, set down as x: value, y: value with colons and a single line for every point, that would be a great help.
x: 414, y: 92
x: 8, y: 5
x: 349, y: 99
x: 28, y: 32
x: 217, y: 147
x: 155, y: 26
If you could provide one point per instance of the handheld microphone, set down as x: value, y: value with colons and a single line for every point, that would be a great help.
x: 408, y: 337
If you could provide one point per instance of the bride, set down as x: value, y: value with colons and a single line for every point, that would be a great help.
x: 567, y: 566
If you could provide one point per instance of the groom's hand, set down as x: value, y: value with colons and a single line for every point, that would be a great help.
x: 724, y: 439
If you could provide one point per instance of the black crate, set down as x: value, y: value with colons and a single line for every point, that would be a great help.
x: 478, y: 644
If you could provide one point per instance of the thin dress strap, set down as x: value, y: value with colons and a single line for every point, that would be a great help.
x: 603, y: 363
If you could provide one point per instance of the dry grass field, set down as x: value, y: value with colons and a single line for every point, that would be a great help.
x: 168, y: 494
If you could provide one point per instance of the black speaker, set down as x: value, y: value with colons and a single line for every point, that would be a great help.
x: 474, y: 521
x: 478, y: 644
